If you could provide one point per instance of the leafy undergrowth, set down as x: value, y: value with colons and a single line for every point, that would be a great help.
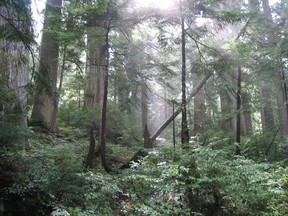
x: 198, y: 180
x: 205, y: 181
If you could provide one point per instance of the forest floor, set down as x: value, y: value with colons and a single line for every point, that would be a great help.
x: 50, y: 174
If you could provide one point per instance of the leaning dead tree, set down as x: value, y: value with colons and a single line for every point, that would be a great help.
x: 178, y: 111
x: 149, y: 141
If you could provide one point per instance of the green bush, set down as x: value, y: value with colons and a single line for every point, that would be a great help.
x: 206, y: 182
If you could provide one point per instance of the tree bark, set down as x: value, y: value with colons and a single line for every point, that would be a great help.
x: 102, y: 140
x: 54, y: 114
x: 280, y: 98
x: 184, y: 124
x: 46, y: 82
x: 91, y: 151
x: 144, y: 105
x: 14, y: 63
x: 267, y: 118
x: 96, y: 63
x: 246, y: 127
x: 199, y: 108
x: 238, y: 128
x: 147, y: 140
x: 228, y: 103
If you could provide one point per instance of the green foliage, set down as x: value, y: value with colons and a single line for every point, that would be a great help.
x: 234, y: 15
x: 207, y: 182
x: 72, y: 116
x: 200, y: 180
x: 56, y: 170
x: 75, y: 122
x: 16, y: 16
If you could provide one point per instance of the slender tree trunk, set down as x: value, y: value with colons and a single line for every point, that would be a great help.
x: 46, y: 90
x: 245, y: 98
x: 238, y: 128
x: 199, y: 109
x: 228, y: 103
x: 104, y: 104
x: 267, y: 117
x: 91, y: 152
x: 144, y: 105
x: 54, y: 114
x: 247, y: 129
x: 184, y: 124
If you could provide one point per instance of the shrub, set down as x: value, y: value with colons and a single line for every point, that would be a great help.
x: 205, y: 182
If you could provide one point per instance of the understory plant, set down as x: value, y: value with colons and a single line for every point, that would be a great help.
x: 204, y: 180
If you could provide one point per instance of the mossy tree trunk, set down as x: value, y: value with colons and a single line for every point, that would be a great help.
x: 95, y: 63
x: 14, y: 59
x: 45, y: 100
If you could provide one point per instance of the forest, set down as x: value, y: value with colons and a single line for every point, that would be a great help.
x: 142, y: 107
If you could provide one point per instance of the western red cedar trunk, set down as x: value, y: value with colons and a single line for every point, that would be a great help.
x: 95, y: 63
x: 45, y: 99
x: 14, y: 61
x: 279, y: 82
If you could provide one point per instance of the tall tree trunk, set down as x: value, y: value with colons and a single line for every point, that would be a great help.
x: 246, y: 116
x: 281, y: 98
x: 228, y: 103
x: 144, y: 116
x: 45, y: 99
x: 267, y: 117
x: 14, y: 63
x: 246, y: 107
x: 238, y: 124
x: 96, y: 63
x: 228, y: 111
x: 54, y: 114
x: 184, y: 124
x: 104, y: 103
x: 199, y: 109
x: 144, y: 105
x: 281, y: 105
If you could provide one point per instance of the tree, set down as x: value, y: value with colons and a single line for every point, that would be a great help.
x: 246, y: 107
x: 272, y: 38
x: 15, y: 41
x: 239, y: 102
x: 199, y: 107
x: 45, y: 99
x: 228, y: 102
x: 184, y: 124
x: 96, y: 62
